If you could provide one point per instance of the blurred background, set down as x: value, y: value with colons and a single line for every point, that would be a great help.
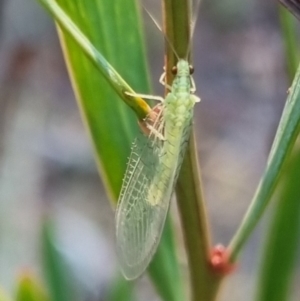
x: 46, y: 162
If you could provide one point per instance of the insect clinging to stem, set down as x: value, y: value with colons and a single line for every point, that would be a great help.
x: 152, y: 171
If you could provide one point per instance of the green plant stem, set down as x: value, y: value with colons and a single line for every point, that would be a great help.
x: 190, y: 201
x: 204, y: 284
x: 139, y: 106
x: 285, y: 138
x: 177, y: 31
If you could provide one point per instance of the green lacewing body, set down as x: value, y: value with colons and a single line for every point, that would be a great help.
x: 151, y: 175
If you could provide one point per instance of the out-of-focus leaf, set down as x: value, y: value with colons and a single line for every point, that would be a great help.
x: 4, y: 296
x: 290, y: 39
x: 29, y: 289
x: 114, y: 29
x: 282, y: 247
x: 120, y: 290
x: 169, y: 288
x: 56, y: 269
x: 293, y: 6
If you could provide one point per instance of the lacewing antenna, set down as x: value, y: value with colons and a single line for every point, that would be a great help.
x: 193, y: 25
x: 160, y: 29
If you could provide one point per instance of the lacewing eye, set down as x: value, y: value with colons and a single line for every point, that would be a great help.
x: 174, y: 70
x: 191, y: 69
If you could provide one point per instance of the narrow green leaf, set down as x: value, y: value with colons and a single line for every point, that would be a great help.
x: 111, y: 125
x: 120, y: 290
x: 29, y: 289
x: 282, y: 247
x: 285, y: 138
x: 109, y: 73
